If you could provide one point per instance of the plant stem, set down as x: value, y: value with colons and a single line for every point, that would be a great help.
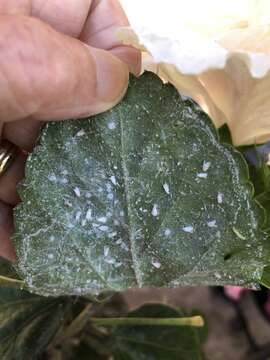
x: 196, y: 321
x: 11, y: 282
x: 79, y: 322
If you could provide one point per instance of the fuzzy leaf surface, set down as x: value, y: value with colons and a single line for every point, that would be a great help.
x: 142, y: 195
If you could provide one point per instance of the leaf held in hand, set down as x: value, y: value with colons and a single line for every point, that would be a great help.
x: 142, y: 195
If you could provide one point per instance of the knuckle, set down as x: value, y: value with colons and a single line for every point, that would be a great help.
x: 25, y: 53
x: 16, y: 36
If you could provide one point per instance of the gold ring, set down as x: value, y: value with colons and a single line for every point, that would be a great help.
x: 8, y: 152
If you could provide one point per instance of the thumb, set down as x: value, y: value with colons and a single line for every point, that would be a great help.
x: 46, y: 75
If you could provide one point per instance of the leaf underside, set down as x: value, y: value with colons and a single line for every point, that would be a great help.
x: 142, y: 195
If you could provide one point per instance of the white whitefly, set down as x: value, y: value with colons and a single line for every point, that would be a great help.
x: 111, y: 125
x: 110, y: 261
x: 113, y: 234
x: 166, y: 188
x: 202, y: 175
x: 124, y: 246
x: 113, y: 180
x: 52, y: 177
x: 206, y: 166
x: 212, y: 223
x: 220, y: 197
x: 110, y: 196
x: 155, y: 210
x: 68, y: 203
x: 83, y: 222
x: 64, y: 181
x: 77, y: 191
x: 117, y: 264
x: 103, y: 228
x: 102, y: 219
x: 50, y: 256
x: 109, y: 187
x: 88, y: 215
x: 78, y: 215
x: 156, y: 264
x: 167, y: 232
x: 106, y: 250
x: 81, y: 133
x: 119, y: 242
x: 188, y: 229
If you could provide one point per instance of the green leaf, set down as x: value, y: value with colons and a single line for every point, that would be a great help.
x: 161, y: 342
x: 8, y: 276
x: 260, y: 177
x: 142, y: 195
x: 259, y: 171
x: 27, y: 323
x: 265, y: 281
x: 225, y: 134
x: 81, y: 351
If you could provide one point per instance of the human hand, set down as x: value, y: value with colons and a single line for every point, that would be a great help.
x: 58, y: 60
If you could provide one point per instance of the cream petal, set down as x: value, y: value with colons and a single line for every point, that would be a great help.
x: 188, y: 84
x: 252, y: 119
x: 260, y: 12
x: 227, y: 75
x: 170, y: 15
x: 249, y: 39
x: 189, y: 52
x: 231, y: 94
x: 221, y: 89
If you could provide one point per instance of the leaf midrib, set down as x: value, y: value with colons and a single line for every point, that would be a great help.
x: 135, y: 267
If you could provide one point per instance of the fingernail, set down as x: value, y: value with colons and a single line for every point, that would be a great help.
x: 131, y: 57
x: 112, y: 78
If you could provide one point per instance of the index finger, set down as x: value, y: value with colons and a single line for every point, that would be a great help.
x: 105, y: 17
x: 92, y: 21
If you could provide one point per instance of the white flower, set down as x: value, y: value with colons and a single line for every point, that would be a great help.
x: 217, y: 52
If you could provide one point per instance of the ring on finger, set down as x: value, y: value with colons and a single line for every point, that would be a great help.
x: 8, y: 152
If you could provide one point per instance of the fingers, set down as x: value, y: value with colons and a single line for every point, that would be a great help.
x: 66, y: 16
x: 105, y: 18
x: 96, y: 21
x: 6, y: 230
x: 10, y: 179
x: 99, y: 30
x: 130, y: 56
x: 49, y: 76
x: 22, y: 133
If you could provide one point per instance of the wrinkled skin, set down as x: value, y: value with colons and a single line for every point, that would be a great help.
x: 58, y: 60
